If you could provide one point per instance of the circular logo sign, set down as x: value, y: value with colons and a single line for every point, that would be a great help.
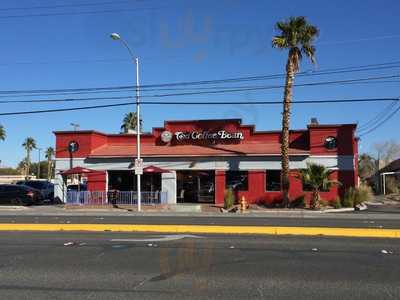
x: 330, y: 142
x: 166, y: 136
x: 73, y: 146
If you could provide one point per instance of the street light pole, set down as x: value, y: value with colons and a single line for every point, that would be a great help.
x: 116, y: 36
x: 139, y: 188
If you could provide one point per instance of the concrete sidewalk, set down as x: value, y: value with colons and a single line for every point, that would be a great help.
x: 59, y: 210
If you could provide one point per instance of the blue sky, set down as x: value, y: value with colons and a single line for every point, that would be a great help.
x: 180, y: 40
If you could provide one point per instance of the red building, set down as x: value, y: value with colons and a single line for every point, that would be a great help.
x: 204, y: 157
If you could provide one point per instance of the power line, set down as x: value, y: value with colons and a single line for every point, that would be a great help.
x: 382, y: 122
x: 269, y: 102
x: 63, y: 5
x: 244, y: 89
x: 218, y: 81
x: 66, y: 100
x: 83, y: 60
x: 167, y: 89
x: 272, y: 87
x: 379, y: 116
x: 359, y: 80
x: 10, y: 92
x: 273, y: 76
x: 78, y: 13
x: 201, y: 103
x: 62, y: 109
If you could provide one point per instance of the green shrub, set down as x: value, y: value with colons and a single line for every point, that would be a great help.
x: 336, y: 204
x: 356, y: 196
x: 391, y: 185
x: 229, y: 200
x: 363, y: 193
x: 298, y: 202
x: 323, y: 203
x: 349, y: 196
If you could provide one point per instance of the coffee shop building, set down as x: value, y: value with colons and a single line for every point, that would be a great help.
x: 199, y: 159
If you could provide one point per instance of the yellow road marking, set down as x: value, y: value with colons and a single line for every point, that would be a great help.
x: 267, y: 230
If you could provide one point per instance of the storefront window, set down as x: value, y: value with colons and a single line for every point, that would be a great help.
x: 195, y: 186
x: 273, y: 180
x: 237, y: 180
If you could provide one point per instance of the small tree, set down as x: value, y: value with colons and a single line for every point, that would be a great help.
x: 317, y: 177
x: 387, y: 152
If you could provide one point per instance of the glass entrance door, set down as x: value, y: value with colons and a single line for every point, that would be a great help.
x: 195, y: 186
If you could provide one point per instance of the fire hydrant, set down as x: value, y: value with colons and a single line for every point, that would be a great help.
x: 243, y: 204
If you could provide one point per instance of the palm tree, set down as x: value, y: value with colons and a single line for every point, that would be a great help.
x: 29, y: 144
x: 129, y: 122
x: 297, y: 36
x: 2, y: 133
x: 49, y: 155
x: 317, y: 177
x: 22, y: 166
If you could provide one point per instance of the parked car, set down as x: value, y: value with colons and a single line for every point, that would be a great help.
x: 12, y: 194
x: 46, y: 188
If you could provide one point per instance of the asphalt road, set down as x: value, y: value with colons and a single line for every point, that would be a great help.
x: 40, y: 266
x: 379, y: 216
x: 365, y: 220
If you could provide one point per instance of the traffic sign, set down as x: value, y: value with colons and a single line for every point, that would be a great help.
x: 138, y: 166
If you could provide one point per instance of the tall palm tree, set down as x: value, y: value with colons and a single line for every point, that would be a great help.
x: 129, y: 122
x: 297, y: 36
x: 2, y: 133
x: 49, y: 155
x: 29, y: 144
x: 317, y: 177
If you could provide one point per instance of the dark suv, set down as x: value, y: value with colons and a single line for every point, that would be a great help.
x: 12, y: 194
x: 46, y: 188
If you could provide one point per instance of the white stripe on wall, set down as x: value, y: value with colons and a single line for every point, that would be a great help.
x: 342, y: 162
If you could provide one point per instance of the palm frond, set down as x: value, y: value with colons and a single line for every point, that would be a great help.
x: 2, y: 133
x: 296, y: 32
x: 309, y: 51
x: 279, y: 42
x: 317, y: 176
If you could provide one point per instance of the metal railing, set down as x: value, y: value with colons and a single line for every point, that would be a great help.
x: 114, y: 198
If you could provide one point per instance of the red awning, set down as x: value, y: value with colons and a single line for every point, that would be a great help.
x: 154, y: 169
x: 79, y: 170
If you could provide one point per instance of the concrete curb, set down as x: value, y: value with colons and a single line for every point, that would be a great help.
x: 11, y: 207
x: 338, y: 210
x: 208, y: 229
x: 346, y: 209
